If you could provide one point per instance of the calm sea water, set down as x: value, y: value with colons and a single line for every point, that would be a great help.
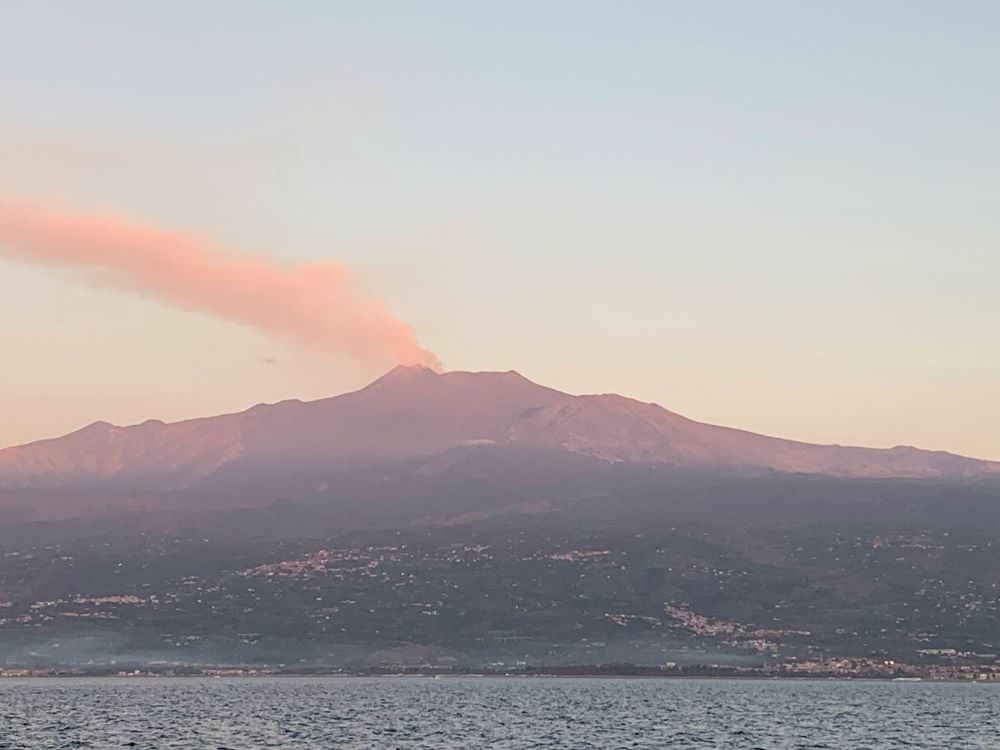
x: 249, y: 713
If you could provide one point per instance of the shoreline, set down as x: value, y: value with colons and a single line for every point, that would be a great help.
x: 258, y: 673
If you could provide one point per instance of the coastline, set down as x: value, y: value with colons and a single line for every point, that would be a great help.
x: 582, y: 672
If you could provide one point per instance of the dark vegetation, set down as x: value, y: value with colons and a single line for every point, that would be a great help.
x: 559, y: 563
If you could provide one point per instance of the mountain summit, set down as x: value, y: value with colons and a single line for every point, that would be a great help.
x: 414, y: 413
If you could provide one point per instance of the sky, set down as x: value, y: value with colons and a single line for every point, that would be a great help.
x: 779, y: 216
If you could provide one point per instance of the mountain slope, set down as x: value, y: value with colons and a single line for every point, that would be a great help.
x: 621, y: 429
x: 413, y: 412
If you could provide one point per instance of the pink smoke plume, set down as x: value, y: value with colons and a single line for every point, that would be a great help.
x: 318, y: 304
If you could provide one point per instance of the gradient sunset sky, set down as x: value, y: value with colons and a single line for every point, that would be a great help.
x: 780, y: 216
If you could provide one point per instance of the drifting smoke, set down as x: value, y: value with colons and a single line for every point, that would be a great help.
x: 317, y: 305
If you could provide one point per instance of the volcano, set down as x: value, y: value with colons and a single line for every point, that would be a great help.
x: 414, y: 413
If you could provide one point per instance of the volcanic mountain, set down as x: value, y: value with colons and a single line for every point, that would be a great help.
x: 412, y: 414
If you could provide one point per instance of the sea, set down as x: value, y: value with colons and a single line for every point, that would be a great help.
x: 467, y: 712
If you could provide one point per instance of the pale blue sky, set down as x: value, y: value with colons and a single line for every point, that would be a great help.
x: 780, y: 216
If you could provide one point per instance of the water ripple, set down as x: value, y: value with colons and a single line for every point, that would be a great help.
x: 421, y: 714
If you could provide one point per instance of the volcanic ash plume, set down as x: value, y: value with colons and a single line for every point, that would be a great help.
x: 318, y: 305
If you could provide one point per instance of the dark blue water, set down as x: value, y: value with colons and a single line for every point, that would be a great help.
x: 467, y: 713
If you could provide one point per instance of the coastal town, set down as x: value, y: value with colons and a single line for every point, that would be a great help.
x: 686, y: 601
